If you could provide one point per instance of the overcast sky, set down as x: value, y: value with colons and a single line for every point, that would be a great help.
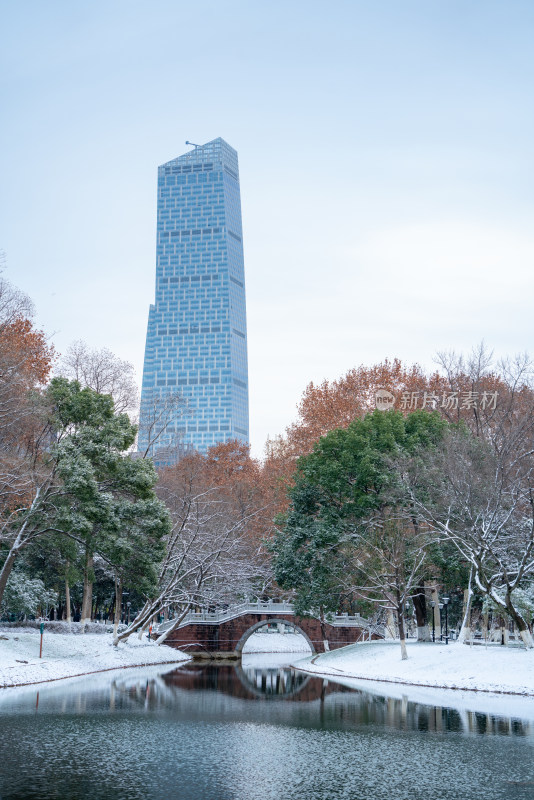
x: 386, y: 154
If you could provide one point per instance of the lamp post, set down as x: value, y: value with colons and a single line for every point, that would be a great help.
x: 440, y: 621
x: 433, y: 604
x: 446, y: 604
x: 128, y: 604
x: 124, y: 605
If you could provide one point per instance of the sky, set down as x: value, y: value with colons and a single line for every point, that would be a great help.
x: 385, y: 150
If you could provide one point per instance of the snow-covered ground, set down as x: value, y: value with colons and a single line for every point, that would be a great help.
x: 276, y: 643
x: 66, y: 655
x: 452, y: 666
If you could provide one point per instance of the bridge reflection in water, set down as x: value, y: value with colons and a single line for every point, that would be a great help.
x: 260, y: 732
x: 247, y: 682
x: 279, y: 682
x: 337, y: 704
x: 199, y: 691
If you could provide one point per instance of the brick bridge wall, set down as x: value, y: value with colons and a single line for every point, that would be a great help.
x: 227, y: 637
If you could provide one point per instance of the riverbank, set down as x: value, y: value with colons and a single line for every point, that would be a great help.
x: 66, y: 655
x: 453, y: 666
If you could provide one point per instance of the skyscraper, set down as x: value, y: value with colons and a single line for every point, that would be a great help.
x: 196, y: 344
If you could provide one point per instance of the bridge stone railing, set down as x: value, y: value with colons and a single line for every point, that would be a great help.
x: 269, y: 607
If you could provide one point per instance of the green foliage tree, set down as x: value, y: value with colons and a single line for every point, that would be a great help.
x: 24, y: 596
x: 55, y: 560
x: 351, y: 528
x: 136, y: 548
x: 86, y: 487
x: 310, y: 554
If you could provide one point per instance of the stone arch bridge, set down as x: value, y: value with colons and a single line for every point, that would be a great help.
x: 223, y: 633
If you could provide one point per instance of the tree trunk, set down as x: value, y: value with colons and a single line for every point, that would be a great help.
x: 173, y: 627
x: 142, y: 631
x: 436, y: 611
x: 143, y: 618
x: 5, y: 572
x: 326, y: 643
x: 520, y: 622
x: 419, y: 604
x: 18, y: 544
x: 118, y: 603
x: 402, y: 635
x: 391, y: 633
x: 527, y: 638
x: 87, y: 602
x: 468, y: 594
x: 67, y: 597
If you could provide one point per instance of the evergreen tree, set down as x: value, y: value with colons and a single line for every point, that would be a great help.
x: 351, y: 528
x: 87, y: 487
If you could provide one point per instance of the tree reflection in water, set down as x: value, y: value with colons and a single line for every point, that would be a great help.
x: 216, y: 691
x: 310, y: 734
x: 339, y: 704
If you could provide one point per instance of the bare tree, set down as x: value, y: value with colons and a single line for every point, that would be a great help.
x: 158, y: 414
x: 102, y: 371
x: 211, y: 558
x: 389, y: 552
x: 14, y: 304
x: 484, y: 393
x: 105, y: 373
x: 482, y: 500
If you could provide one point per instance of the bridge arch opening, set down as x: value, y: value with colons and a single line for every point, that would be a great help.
x: 299, y: 636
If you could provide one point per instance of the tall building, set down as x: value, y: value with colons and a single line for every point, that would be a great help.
x: 196, y: 344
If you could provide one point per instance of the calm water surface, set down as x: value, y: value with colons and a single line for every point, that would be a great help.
x: 251, y: 733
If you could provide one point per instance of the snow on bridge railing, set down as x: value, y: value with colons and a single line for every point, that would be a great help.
x: 218, y: 616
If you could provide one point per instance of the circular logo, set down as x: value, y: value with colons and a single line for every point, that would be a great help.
x: 384, y: 400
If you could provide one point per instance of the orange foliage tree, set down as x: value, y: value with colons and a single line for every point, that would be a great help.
x: 484, y: 395
x: 335, y: 404
x: 214, y: 551
x: 220, y: 511
x: 25, y: 362
x: 229, y: 477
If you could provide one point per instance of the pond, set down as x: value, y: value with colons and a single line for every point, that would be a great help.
x: 257, y: 731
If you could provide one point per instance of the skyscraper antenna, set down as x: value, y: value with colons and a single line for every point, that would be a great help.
x: 193, y: 144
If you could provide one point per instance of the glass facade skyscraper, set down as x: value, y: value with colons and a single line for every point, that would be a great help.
x: 196, y: 344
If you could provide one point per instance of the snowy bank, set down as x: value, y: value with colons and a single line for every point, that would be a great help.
x: 66, y: 655
x: 452, y: 666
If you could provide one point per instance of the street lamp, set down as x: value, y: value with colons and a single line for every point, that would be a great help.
x: 433, y: 604
x: 446, y: 604
x: 128, y: 604
x: 123, y: 606
x: 440, y: 622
